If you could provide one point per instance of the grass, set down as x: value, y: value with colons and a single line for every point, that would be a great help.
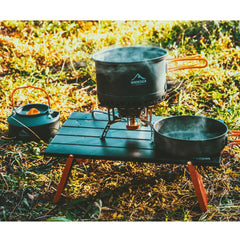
x: 55, y: 55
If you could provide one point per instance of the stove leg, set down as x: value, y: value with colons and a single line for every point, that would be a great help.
x: 198, y: 186
x: 64, y: 178
x: 105, y: 131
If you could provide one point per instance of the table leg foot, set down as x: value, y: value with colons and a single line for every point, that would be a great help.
x: 199, y: 188
x: 63, y: 179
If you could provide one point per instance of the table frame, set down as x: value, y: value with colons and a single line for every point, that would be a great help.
x: 79, y: 139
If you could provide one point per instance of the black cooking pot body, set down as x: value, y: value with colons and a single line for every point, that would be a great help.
x: 131, y: 76
x: 190, y: 136
x: 42, y: 125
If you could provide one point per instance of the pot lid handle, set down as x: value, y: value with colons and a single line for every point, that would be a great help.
x: 29, y: 87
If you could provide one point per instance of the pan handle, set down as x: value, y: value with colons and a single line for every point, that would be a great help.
x: 13, y: 102
x: 234, y: 133
x: 189, y: 58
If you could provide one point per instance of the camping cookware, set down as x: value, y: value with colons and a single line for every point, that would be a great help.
x: 33, y: 121
x: 135, y: 76
x: 192, y: 136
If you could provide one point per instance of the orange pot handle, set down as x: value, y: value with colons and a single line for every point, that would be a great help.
x: 29, y: 87
x: 189, y: 58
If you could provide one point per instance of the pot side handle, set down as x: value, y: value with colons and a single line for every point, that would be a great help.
x: 189, y: 58
x: 13, y: 102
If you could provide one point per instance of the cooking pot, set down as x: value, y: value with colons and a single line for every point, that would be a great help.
x: 191, y: 136
x: 33, y: 121
x: 135, y: 76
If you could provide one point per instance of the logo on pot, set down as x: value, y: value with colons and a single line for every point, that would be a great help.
x: 138, y: 80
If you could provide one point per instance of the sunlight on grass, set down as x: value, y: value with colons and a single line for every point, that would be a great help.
x: 56, y: 56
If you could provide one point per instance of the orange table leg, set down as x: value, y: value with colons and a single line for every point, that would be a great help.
x: 80, y: 160
x: 199, y: 188
x: 64, y: 178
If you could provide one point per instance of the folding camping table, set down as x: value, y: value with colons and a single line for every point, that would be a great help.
x: 79, y: 139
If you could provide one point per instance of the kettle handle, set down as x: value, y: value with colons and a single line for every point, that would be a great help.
x: 29, y: 87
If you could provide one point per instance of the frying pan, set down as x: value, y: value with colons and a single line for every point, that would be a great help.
x: 191, y: 136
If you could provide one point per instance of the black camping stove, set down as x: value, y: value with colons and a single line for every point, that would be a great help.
x: 134, y: 117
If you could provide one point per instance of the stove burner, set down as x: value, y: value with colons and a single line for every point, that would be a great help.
x: 133, y: 116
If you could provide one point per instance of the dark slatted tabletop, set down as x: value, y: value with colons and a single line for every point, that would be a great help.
x: 80, y: 136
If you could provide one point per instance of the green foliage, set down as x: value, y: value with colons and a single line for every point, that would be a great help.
x: 56, y: 56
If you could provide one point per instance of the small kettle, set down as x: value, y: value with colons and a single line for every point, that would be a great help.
x: 33, y: 121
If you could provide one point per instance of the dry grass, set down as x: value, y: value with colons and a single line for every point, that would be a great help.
x: 56, y: 56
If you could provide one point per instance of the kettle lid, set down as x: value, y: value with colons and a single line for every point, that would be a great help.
x: 32, y: 110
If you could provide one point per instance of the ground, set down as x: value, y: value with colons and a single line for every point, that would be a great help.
x: 56, y: 56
